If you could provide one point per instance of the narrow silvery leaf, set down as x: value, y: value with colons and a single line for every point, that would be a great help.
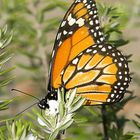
x: 54, y: 135
x: 1, y: 44
x: 77, y: 105
x: 7, y: 41
x: 41, y: 122
x: 31, y: 137
x: 0, y: 33
x: 77, y: 98
x: 66, y: 125
x: 59, y: 95
x: 66, y: 118
x: 61, y: 103
x: 68, y: 95
x: 45, y: 123
x: 71, y: 98
x: 61, y: 110
x: 4, y: 30
x: 63, y: 95
x: 13, y: 130
x: 23, y: 135
x: 81, y: 120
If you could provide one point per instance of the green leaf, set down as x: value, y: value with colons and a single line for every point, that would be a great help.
x: 71, y: 98
x: 66, y: 124
x: 77, y: 105
x: 54, y: 135
x: 4, y: 104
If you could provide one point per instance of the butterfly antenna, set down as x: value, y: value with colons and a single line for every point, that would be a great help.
x: 26, y: 109
x: 25, y: 93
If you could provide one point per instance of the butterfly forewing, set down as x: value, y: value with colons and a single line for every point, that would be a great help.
x: 102, y: 78
x: 78, y: 31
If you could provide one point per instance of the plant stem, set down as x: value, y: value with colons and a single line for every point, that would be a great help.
x: 104, y: 122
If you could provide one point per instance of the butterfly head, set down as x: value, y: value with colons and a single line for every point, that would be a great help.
x: 43, y: 104
x: 50, y: 106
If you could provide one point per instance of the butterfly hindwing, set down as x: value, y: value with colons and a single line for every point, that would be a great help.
x: 100, y: 74
x: 79, y: 30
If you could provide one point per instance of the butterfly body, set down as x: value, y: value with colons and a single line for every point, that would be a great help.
x: 82, y: 59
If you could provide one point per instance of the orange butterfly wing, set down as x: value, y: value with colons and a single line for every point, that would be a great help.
x: 82, y: 60
x: 100, y: 74
x: 78, y: 31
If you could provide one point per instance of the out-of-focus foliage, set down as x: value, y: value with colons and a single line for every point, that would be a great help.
x: 18, y: 130
x: 35, y: 25
x: 5, y: 55
x: 113, y: 20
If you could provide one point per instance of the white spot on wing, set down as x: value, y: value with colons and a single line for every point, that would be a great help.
x: 58, y: 36
x: 65, y: 32
x: 60, y: 43
x: 80, y: 22
x: 101, y: 38
x: 84, y: 1
x: 63, y: 23
x: 75, y: 61
x: 100, y: 33
x: 120, y: 77
x: 92, y: 30
x: 119, y: 84
x: 69, y: 17
x: 53, y: 53
x: 126, y: 79
x: 103, y: 49
x: 100, y: 46
x: 91, y: 12
x: 72, y: 21
x: 120, y: 64
x: 108, y: 100
x: 70, y: 32
x: 109, y: 47
x: 117, y: 96
x: 88, y: 50
x: 124, y: 83
x: 121, y: 59
x: 112, y: 95
x: 95, y: 12
x: 95, y: 51
x: 94, y: 46
x: 113, y: 54
x: 91, y: 22
x: 80, y: 54
x: 97, y: 28
x: 96, y: 21
x: 88, y: 7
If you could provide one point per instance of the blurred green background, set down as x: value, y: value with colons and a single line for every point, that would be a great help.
x: 34, y: 24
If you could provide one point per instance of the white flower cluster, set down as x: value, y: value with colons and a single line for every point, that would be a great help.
x: 60, y: 114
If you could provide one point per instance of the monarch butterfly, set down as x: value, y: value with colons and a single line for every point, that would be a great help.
x: 81, y: 59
